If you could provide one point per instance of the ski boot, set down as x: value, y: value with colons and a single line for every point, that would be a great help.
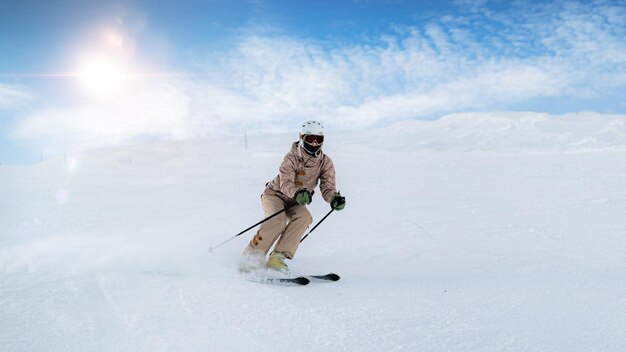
x: 276, y: 262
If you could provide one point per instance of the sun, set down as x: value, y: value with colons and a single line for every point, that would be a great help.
x: 102, y: 76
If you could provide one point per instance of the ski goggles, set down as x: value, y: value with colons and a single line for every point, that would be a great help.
x: 310, y: 138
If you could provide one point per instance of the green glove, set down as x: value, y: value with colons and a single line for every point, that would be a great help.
x: 303, y: 197
x: 338, y: 202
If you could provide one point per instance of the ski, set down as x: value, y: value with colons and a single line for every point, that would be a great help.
x: 300, y: 280
x: 295, y: 280
x: 327, y: 277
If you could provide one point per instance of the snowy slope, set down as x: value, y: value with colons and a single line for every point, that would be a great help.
x: 475, y: 232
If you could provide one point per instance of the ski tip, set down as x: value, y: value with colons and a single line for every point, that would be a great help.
x: 334, y: 277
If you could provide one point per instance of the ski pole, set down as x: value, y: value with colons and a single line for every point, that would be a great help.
x: 316, y: 225
x: 289, y: 205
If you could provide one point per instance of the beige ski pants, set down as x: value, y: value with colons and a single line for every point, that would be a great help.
x: 286, y: 227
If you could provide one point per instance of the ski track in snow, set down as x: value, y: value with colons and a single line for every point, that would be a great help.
x: 455, y: 238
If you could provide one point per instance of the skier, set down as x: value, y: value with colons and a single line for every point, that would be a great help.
x: 300, y: 171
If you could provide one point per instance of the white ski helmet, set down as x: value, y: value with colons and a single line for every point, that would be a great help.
x: 312, y: 128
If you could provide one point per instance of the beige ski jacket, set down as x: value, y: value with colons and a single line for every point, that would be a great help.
x: 301, y: 170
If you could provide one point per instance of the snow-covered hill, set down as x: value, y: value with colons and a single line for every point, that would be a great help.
x: 512, y: 132
x: 475, y: 232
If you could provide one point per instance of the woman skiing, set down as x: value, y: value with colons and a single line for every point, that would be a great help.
x: 300, y: 171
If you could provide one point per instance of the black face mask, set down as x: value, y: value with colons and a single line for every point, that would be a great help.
x: 311, y: 150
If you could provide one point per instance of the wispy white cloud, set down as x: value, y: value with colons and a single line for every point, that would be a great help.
x: 11, y: 96
x: 481, y: 59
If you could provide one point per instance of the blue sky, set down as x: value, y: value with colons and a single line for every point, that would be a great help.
x: 79, y: 74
